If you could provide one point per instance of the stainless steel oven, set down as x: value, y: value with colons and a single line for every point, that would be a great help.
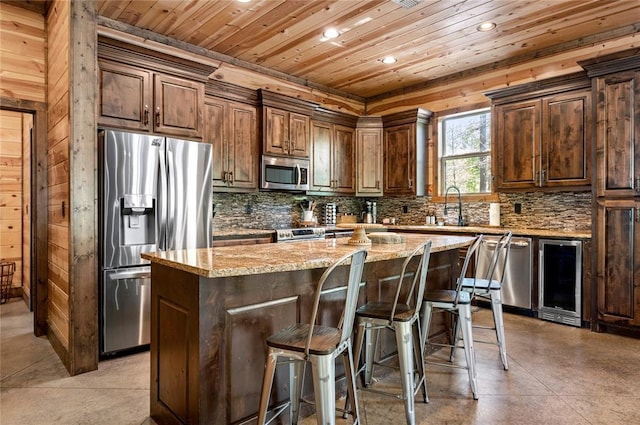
x: 284, y: 173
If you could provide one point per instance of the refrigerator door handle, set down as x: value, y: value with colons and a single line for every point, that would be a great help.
x: 162, y: 202
x: 131, y: 275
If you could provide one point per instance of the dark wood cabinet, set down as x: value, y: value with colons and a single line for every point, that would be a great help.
x: 333, y: 158
x: 119, y: 83
x: 618, y: 134
x: 618, y: 264
x: 286, y: 133
x: 286, y: 124
x: 405, y: 153
x: 543, y: 143
x: 137, y: 99
x: 177, y: 106
x: 369, y: 158
x: 231, y: 128
x: 616, y: 229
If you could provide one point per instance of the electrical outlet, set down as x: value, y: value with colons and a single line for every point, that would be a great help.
x: 405, y: 209
x: 517, y: 207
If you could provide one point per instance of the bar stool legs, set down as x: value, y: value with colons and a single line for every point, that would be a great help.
x: 498, y: 322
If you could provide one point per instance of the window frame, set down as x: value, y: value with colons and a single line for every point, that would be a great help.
x: 438, y: 194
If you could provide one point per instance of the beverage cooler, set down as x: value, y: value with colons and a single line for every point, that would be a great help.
x: 560, y: 280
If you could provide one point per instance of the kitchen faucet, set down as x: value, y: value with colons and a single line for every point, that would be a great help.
x: 446, y: 195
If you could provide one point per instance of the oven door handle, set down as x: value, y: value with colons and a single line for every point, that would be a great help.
x: 299, y: 174
x: 131, y: 275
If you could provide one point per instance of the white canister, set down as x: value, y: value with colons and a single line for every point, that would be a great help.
x: 494, y: 214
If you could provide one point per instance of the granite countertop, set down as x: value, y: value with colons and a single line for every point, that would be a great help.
x: 282, y: 257
x: 546, y: 233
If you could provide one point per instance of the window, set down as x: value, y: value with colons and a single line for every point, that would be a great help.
x: 465, y: 151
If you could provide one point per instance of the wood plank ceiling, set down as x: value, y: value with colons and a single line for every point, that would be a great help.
x: 431, y: 40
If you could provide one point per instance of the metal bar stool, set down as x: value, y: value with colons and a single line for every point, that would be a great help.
x: 402, y: 318
x: 319, y: 345
x: 489, y: 288
x: 458, y: 303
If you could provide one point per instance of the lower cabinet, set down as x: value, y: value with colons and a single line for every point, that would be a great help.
x: 618, y: 265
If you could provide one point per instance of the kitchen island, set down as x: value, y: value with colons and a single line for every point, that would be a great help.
x: 212, y: 310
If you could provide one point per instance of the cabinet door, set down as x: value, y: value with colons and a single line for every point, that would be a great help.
x: 618, y: 262
x: 125, y: 97
x: 517, y: 144
x: 566, y: 140
x: 344, y: 159
x: 177, y: 106
x: 299, y: 135
x: 322, y: 157
x: 276, y: 131
x: 618, y: 135
x: 215, y: 131
x: 399, y: 160
x: 242, y: 147
x: 369, y: 162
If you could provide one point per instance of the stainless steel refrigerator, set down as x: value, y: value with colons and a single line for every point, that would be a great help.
x: 155, y: 194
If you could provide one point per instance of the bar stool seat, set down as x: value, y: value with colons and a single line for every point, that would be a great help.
x: 319, y: 345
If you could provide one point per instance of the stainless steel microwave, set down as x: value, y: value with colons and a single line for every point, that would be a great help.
x: 284, y: 173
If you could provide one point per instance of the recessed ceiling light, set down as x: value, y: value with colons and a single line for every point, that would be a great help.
x: 486, y: 26
x: 389, y: 59
x: 244, y: 1
x: 331, y: 33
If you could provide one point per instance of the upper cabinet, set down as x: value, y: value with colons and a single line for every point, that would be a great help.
x: 618, y: 134
x: 369, y: 158
x: 286, y: 125
x: 542, y: 134
x: 231, y: 128
x: 333, y: 155
x: 147, y: 91
x: 405, y: 153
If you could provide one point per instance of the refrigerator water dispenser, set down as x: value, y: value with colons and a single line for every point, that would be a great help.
x: 138, y: 219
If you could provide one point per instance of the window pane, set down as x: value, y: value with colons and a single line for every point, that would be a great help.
x: 470, y: 175
x: 467, y: 134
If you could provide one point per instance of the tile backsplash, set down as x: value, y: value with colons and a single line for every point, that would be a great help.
x: 568, y: 211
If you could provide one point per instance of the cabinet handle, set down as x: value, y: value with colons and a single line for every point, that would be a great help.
x: 638, y: 185
x: 377, y: 184
x: 410, y: 183
x: 224, y: 176
x: 230, y: 177
x: 543, y: 177
x: 638, y: 215
x: 145, y: 115
x: 158, y: 116
x: 286, y: 146
x: 293, y: 146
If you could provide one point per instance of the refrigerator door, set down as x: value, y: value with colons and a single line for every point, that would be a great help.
x: 126, y: 308
x: 130, y: 163
x: 189, y: 194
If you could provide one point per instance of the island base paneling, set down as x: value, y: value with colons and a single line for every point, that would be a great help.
x: 208, y: 334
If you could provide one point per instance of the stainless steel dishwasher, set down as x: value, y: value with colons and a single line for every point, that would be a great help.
x: 516, y: 283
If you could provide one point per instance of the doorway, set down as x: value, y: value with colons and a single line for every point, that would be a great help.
x: 16, y: 129
x: 30, y: 212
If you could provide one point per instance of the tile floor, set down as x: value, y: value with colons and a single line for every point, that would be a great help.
x: 558, y: 375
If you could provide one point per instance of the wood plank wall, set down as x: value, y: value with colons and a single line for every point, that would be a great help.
x: 11, y: 191
x: 22, y: 54
x: 58, y: 170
